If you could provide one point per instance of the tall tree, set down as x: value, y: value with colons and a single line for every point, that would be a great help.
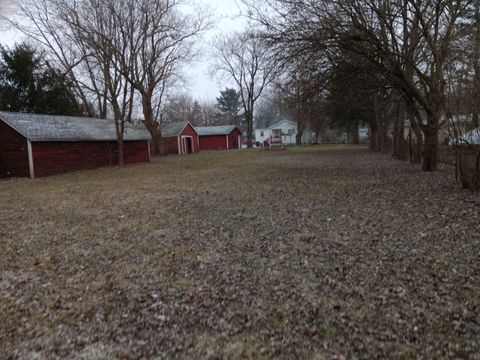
x: 95, y: 26
x: 159, y: 39
x: 27, y: 84
x: 245, y: 59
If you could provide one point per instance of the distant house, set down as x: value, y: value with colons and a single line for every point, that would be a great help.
x: 180, y: 138
x: 219, y: 137
x: 39, y: 145
x: 282, y: 133
x: 470, y: 138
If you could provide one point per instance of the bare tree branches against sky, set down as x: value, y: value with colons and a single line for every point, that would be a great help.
x: 228, y: 14
x: 4, y: 9
x: 227, y: 19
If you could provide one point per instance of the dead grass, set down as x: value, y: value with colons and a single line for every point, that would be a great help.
x: 311, y: 252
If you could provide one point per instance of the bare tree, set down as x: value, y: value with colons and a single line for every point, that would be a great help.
x: 94, y: 26
x: 209, y: 113
x: 160, y: 41
x: 43, y: 22
x: 410, y: 41
x: 406, y: 41
x: 182, y: 107
x: 245, y: 59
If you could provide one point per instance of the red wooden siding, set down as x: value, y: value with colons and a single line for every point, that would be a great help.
x: 59, y: 157
x: 213, y: 142
x: 219, y: 142
x: 13, y: 153
x: 190, y: 131
x: 172, y: 145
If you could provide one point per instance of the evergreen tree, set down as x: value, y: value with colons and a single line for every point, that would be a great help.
x: 27, y: 85
x: 229, y: 104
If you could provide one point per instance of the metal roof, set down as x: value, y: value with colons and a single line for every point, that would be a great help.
x: 174, y: 129
x: 68, y: 128
x: 215, y: 130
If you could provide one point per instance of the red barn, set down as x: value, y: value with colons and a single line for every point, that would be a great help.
x: 39, y: 145
x: 219, y: 137
x: 180, y: 138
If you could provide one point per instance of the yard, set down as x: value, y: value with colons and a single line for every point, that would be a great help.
x: 323, y: 252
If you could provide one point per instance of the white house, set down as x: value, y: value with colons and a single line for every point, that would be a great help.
x: 282, y: 133
x: 470, y: 138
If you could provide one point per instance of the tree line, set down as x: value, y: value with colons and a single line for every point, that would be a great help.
x: 388, y: 63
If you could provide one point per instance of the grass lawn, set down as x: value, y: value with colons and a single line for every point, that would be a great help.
x: 312, y: 252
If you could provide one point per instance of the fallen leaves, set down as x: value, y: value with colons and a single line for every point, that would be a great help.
x: 320, y: 253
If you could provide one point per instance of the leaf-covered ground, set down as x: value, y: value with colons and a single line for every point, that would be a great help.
x: 323, y: 252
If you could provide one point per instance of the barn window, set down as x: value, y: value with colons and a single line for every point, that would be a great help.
x: 261, y: 133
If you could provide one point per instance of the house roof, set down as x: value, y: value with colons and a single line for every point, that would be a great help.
x: 67, y: 128
x: 174, y: 129
x: 215, y: 130
x: 291, y: 123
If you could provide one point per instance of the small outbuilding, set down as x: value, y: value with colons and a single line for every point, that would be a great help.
x: 225, y: 137
x: 38, y: 145
x: 180, y: 138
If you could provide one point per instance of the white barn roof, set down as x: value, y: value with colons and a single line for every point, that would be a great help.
x: 215, y: 130
x: 287, y: 122
x: 67, y: 128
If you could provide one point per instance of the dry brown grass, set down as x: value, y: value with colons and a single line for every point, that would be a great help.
x: 311, y: 252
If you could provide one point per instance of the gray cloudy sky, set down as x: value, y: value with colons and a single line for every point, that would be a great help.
x: 202, y: 87
x: 228, y: 12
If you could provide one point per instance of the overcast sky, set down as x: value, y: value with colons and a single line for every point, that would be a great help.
x: 202, y: 87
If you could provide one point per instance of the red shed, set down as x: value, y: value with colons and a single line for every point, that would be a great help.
x: 38, y: 145
x: 219, y: 137
x: 180, y: 138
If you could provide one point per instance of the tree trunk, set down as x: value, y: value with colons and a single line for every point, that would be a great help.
x: 429, y: 159
x: 374, y: 133
x: 119, y: 129
x: 398, y: 133
x: 373, y: 137
x: 355, y: 133
x: 152, y: 125
x: 156, y: 145
x: 299, y: 134
x: 249, y: 120
x: 417, y: 148
x: 120, y: 153
x: 157, y: 139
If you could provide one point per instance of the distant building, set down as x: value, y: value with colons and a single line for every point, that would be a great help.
x: 225, y: 137
x: 470, y: 138
x: 180, y: 138
x: 282, y: 133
